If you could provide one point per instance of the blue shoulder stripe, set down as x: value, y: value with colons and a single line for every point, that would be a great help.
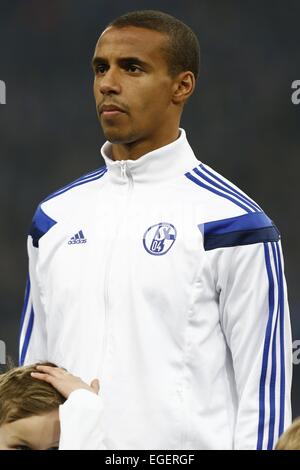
x: 238, y: 196
x: 82, y: 180
x: 231, y: 189
x: 199, y: 182
x: 41, y: 224
x: 245, y: 229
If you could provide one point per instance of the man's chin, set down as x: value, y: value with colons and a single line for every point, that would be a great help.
x: 115, y: 136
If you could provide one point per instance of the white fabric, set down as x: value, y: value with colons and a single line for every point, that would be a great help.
x: 183, y: 343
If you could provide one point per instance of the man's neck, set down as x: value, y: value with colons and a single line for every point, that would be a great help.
x: 134, y: 150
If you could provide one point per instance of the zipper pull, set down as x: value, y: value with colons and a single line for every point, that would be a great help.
x: 123, y: 169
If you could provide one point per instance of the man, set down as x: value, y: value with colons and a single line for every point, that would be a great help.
x: 156, y: 274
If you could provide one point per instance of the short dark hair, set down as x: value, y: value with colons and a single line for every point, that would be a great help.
x: 182, y: 51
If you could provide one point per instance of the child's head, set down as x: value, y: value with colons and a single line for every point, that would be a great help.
x: 290, y: 439
x: 28, y: 411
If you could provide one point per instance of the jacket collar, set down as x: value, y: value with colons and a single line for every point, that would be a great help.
x: 160, y: 165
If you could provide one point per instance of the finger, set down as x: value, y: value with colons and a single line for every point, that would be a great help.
x: 55, y: 371
x: 46, y: 368
x: 44, y: 377
x: 95, y: 385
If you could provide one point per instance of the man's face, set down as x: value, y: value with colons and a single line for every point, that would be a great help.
x: 131, y: 73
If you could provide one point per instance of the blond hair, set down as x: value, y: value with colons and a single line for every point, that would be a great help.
x: 290, y: 439
x: 22, y: 396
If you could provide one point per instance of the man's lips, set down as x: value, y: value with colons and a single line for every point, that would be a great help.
x: 110, y: 110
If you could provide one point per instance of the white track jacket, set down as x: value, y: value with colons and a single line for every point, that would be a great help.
x: 165, y: 281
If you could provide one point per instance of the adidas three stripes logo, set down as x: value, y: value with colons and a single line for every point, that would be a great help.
x: 78, y: 238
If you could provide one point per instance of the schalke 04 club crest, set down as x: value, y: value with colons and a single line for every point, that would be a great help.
x: 159, y: 238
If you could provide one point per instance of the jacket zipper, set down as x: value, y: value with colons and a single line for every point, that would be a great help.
x: 126, y: 175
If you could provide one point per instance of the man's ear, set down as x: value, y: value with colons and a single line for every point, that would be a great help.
x: 184, y: 86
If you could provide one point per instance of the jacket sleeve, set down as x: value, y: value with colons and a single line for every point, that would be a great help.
x: 81, y: 424
x: 254, y: 315
x: 33, y: 337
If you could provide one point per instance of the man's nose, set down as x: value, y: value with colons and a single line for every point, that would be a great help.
x: 110, y: 82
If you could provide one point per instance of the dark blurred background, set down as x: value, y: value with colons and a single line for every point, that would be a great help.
x: 241, y: 119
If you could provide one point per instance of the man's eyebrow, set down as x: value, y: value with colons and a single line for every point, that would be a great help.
x: 98, y: 60
x: 135, y: 60
x: 122, y: 60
